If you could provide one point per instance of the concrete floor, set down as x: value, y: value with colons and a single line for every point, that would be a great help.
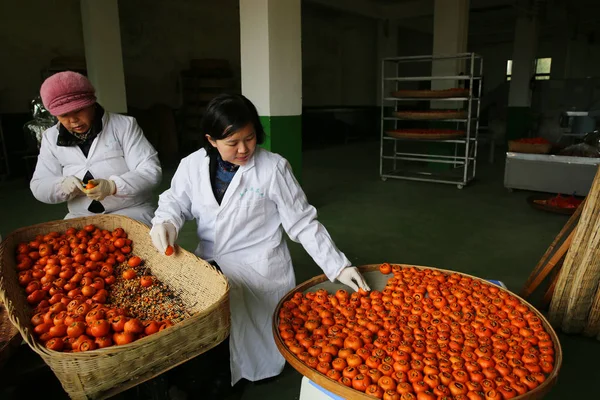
x: 482, y: 230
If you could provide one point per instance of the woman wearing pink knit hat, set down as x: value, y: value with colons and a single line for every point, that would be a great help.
x: 90, y: 144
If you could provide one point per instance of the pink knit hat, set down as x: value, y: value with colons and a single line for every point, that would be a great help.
x: 67, y: 91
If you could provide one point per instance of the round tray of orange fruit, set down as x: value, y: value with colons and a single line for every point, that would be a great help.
x: 421, y: 333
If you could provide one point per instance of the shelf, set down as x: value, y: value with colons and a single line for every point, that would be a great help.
x: 429, y: 120
x: 429, y: 57
x: 386, y: 137
x: 429, y: 158
x: 433, y: 78
x: 450, y: 159
x: 430, y: 99
x: 425, y: 177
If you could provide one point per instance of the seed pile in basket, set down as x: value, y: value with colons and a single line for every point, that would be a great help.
x: 428, y: 335
x: 88, y: 290
x: 145, y: 297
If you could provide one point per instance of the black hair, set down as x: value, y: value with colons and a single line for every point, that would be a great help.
x: 227, y: 114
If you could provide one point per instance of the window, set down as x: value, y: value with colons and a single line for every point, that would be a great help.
x: 542, y: 69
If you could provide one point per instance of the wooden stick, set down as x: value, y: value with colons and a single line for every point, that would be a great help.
x: 571, y: 224
x: 560, y: 253
x: 550, y: 291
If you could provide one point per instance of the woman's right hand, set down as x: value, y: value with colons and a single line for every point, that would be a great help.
x: 350, y: 276
x: 163, y: 235
x: 72, y: 186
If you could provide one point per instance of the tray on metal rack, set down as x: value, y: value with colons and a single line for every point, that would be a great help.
x: 431, y: 94
x: 431, y: 114
x: 425, y: 134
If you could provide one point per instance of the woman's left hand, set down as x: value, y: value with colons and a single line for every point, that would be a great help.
x: 103, y: 189
x: 352, y: 278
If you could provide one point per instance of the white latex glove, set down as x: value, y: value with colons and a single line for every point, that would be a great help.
x: 103, y: 189
x: 71, y: 186
x: 349, y: 276
x: 163, y: 235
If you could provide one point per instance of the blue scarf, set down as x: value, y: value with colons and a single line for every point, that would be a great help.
x: 224, y: 173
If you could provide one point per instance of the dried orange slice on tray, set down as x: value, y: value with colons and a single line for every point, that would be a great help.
x: 431, y: 114
x: 425, y: 134
x: 432, y: 94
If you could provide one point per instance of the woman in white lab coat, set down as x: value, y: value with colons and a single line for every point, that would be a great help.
x: 91, y: 144
x: 243, y: 198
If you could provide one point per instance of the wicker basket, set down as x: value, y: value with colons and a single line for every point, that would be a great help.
x: 10, y: 338
x: 377, y: 281
x: 102, y: 373
x: 531, y: 148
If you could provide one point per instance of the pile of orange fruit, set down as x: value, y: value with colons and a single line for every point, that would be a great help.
x: 427, y: 335
x: 69, y: 280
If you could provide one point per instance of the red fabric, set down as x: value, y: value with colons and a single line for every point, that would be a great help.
x: 67, y: 91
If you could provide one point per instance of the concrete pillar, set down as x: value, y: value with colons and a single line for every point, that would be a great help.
x: 387, y: 46
x: 450, y: 34
x: 523, y: 69
x: 104, y: 59
x: 271, y: 63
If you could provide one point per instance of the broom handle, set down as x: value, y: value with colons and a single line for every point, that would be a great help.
x: 549, y: 266
x: 572, y: 220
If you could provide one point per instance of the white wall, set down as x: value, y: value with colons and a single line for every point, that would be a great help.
x: 43, y: 30
x: 491, y: 34
x: 158, y: 40
x: 160, y: 37
x: 339, y: 58
x: 415, y: 43
x: 582, y: 58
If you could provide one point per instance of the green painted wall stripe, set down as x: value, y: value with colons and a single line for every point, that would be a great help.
x: 284, y: 137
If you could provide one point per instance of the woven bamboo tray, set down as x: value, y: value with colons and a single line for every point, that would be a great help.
x: 102, y: 373
x: 377, y: 281
x: 425, y: 134
x: 10, y: 338
x: 431, y: 115
x: 431, y: 94
x: 530, y: 148
x: 544, y: 207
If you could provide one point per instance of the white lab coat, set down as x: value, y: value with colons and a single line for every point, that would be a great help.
x: 120, y: 153
x: 244, y: 235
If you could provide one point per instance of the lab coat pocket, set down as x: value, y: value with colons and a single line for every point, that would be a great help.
x: 251, y: 212
x: 270, y: 274
x: 112, y: 154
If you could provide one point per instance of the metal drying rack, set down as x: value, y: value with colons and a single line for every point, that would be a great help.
x: 397, y: 159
